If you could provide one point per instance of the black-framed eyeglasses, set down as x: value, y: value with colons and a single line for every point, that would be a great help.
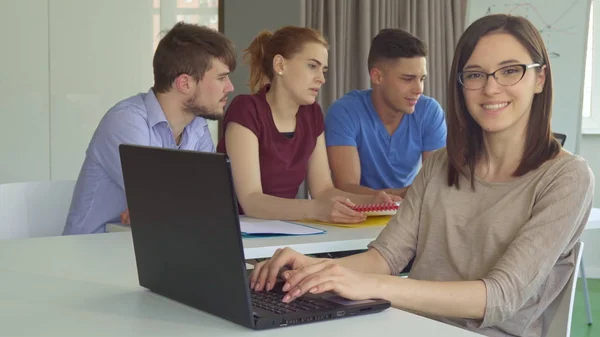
x: 505, y: 76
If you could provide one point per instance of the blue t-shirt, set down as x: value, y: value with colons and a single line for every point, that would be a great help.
x: 385, y: 161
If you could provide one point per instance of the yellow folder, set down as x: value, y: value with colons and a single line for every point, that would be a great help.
x: 380, y: 220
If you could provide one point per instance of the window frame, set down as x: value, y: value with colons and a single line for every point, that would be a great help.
x: 591, y: 124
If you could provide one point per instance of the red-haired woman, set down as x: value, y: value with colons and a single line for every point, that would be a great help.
x: 274, y: 137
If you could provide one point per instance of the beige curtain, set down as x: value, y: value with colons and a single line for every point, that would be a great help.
x: 349, y: 26
x: 439, y: 23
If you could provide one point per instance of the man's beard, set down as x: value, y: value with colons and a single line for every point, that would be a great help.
x: 201, y: 110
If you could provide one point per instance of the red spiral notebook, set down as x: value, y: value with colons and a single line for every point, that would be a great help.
x: 378, y: 209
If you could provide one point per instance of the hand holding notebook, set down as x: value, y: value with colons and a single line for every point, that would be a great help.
x: 342, y: 210
x: 338, y: 210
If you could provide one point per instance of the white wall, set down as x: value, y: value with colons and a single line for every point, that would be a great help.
x: 66, y: 62
x: 63, y: 64
x: 24, y: 102
x: 96, y: 59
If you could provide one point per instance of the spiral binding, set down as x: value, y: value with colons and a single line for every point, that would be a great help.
x: 377, y: 208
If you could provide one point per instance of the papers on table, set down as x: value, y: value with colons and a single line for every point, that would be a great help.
x: 259, y: 227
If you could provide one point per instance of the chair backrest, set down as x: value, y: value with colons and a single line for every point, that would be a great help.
x: 558, y: 316
x: 562, y: 138
x: 34, y: 209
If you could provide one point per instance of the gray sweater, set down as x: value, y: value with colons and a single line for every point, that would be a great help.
x: 517, y: 237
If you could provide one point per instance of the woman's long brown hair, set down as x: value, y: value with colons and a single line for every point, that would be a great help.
x: 465, y: 137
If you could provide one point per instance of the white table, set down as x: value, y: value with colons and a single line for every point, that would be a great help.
x: 336, y: 239
x: 87, y: 285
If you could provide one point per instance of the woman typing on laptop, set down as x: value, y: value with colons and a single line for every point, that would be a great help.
x: 491, y: 220
x: 274, y: 137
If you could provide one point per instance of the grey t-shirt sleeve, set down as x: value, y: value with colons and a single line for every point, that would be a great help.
x: 558, y: 218
x: 397, y: 242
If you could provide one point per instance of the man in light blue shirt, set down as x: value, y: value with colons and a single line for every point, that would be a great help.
x: 191, y: 82
x: 377, y: 138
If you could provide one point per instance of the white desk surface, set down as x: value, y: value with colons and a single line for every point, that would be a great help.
x: 336, y: 239
x: 87, y: 285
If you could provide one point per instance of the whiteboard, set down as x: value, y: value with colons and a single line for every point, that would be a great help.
x: 563, y: 25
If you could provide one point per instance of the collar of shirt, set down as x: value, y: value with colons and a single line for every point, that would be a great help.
x: 156, y: 114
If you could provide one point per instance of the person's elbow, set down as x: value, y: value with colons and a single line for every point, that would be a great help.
x: 338, y: 182
x: 321, y: 189
x: 253, y: 212
x: 343, y: 181
x: 502, y: 301
x: 249, y: 202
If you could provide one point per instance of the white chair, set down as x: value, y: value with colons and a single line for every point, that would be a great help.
x: 34, y: 209
x: 558, y: 316
x: 586, y: 293
x: 593, y: 223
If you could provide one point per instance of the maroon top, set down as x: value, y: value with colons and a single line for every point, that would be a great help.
x: 283, y: 160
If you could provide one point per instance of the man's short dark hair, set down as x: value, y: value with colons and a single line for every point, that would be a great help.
x: 391, y: 44
x: 189, y: 49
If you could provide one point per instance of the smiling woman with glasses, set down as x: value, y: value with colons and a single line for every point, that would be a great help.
x: 491, y: 220
x: 506, y: 76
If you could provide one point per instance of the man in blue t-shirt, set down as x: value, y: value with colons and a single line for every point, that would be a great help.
x: 377, y: 138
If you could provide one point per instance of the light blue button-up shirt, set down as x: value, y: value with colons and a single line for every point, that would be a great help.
x: 99, y: 196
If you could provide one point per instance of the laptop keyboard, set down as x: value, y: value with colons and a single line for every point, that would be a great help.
x: 271, y: 301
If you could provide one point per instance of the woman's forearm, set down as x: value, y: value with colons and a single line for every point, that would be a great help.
x: 460, y: 299
x: 264, y: 206
x: 357, y: 199
x: 366, y: 262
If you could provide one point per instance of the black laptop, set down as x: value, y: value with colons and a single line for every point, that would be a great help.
x: 188, y: 244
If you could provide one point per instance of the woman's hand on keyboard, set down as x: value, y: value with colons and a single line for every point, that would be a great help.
x: 326, y: 275
x: 264, y: 275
